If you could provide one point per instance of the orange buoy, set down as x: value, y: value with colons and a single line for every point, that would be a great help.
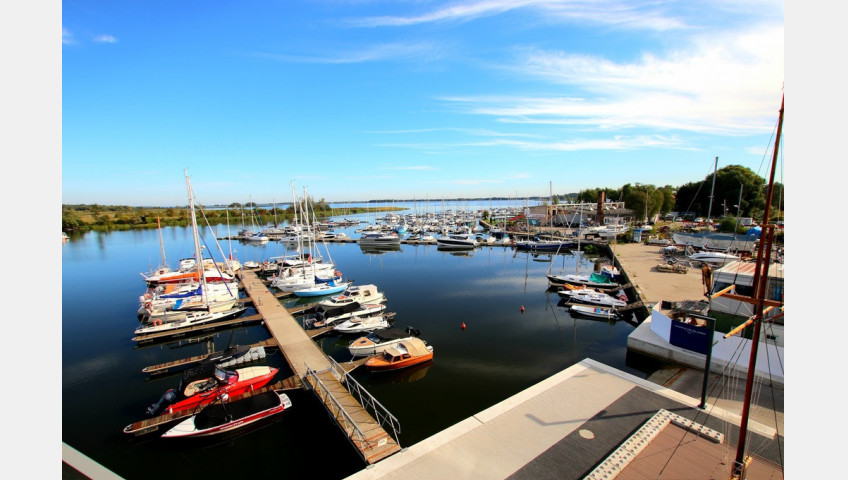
x: 522, y: 309
x: 463, y: 325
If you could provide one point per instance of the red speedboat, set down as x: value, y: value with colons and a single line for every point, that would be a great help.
x: 207, y: 382
x: 225, y: 416
x: 409, y: 352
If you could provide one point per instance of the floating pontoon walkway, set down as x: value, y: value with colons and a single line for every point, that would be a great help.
x: 164, y: 367
x: 311, y: 364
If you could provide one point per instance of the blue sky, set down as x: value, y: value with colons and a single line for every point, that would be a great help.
x: 360, y: 99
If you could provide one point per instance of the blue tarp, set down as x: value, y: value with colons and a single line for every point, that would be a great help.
x: 755, y: 231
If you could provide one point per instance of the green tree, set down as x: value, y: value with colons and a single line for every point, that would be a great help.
x: 695, y: 196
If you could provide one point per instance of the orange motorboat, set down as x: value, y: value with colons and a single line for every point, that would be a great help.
x: 411, y: 351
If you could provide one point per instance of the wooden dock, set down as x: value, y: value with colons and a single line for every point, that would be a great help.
x: 309, y: 362
x: 164, y: 367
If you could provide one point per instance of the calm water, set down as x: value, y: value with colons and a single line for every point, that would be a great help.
x: 501, y: 352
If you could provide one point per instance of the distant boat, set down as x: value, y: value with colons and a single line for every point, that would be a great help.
x: 379, y: 239
x: 545, y: 245
x: 226, y: 416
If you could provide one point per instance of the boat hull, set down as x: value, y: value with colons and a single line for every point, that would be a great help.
x: 250, y: 378
x: 217, y: 418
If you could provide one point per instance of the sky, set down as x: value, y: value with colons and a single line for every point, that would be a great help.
x: 411, y: 99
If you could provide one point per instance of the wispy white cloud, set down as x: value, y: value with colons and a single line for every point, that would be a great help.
x: 727, y: 83
x: 419, y: 168
x: 618, y: 13
x: 105, y: 39
x: 421, y: 52
x: 67, y: 37
x: 615, y: 142
x: 483, y: 132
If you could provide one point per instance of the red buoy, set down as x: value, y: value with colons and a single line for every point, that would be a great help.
x: 522, y: 309
x: 463, y: 325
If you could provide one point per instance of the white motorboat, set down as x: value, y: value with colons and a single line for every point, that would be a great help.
x: 594, y: 297
x: 714, y: 258
x: 362, y: 324
x: 379, y: 341
x: 593, y: 311
x: 378, y: 239
x: 156, y: 324
x: 324, y: 317
x: 354, y: 293
x: 457, y: 240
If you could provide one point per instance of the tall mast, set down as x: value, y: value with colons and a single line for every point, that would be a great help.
x: 161, y: 243
x: 760, y: 280
x: 197, y: 252
x: 712, y: 191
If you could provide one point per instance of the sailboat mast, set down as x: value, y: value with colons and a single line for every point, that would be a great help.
x: 760, y: 280
x: 712, y: 190
x: 161, y: 243
x: 197, y: 251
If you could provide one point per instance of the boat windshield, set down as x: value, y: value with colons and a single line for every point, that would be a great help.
x: 223, y: 376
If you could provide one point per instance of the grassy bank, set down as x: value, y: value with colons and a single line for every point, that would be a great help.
x: 110, y: 217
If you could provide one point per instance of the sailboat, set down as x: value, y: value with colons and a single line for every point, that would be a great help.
x: 593, y: 280
x: 203, y: 311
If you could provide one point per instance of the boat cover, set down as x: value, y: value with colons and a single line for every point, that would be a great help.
x: 415, y: 347
x: 330, y: 312
x: 216, y: 414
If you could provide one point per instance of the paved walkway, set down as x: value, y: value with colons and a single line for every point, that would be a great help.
x: 559, y: 428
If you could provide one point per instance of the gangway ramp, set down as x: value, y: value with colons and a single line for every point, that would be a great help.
x: 324, y: 376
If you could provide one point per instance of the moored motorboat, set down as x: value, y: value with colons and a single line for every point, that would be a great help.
x: 376, y: 342
x: 593, y: 311
x: 593, y: 280
x: 325, y: 317
x: 594, y: 297
x: 204, y: 383
x: 183, y: 319
x: 457, y: 240
x: 227, y: 416
x: 355, y: 293
x: 409, y: 352
x: 362, y: 324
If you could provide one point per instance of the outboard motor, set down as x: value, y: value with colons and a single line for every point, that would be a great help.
x: 413, y: 331
x: 167, y: 399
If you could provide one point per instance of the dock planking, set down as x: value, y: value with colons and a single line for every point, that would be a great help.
x: 164, y: 367
x: 303, y: 355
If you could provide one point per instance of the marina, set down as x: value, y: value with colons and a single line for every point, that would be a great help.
x: 322, y: 368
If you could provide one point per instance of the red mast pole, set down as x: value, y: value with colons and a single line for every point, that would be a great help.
x: 760, y: 280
